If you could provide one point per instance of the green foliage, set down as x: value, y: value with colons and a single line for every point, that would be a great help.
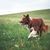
x: 14, y: 36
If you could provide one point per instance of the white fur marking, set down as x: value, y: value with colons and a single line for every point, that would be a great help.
x: 30, y: 18
x: 33, y: 33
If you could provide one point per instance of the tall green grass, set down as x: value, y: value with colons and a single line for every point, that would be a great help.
x: 14, y: 36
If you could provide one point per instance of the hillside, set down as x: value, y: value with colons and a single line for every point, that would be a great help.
x: 38, y: 13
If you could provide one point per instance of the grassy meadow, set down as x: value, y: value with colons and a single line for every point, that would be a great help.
x: 13, y: 36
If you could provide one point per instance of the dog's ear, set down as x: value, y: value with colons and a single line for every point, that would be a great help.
x: 27, y: 16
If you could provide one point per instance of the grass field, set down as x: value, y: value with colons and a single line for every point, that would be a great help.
x: 13, y: 36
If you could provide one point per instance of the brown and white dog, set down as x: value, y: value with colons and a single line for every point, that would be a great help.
x: 37, y: 24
